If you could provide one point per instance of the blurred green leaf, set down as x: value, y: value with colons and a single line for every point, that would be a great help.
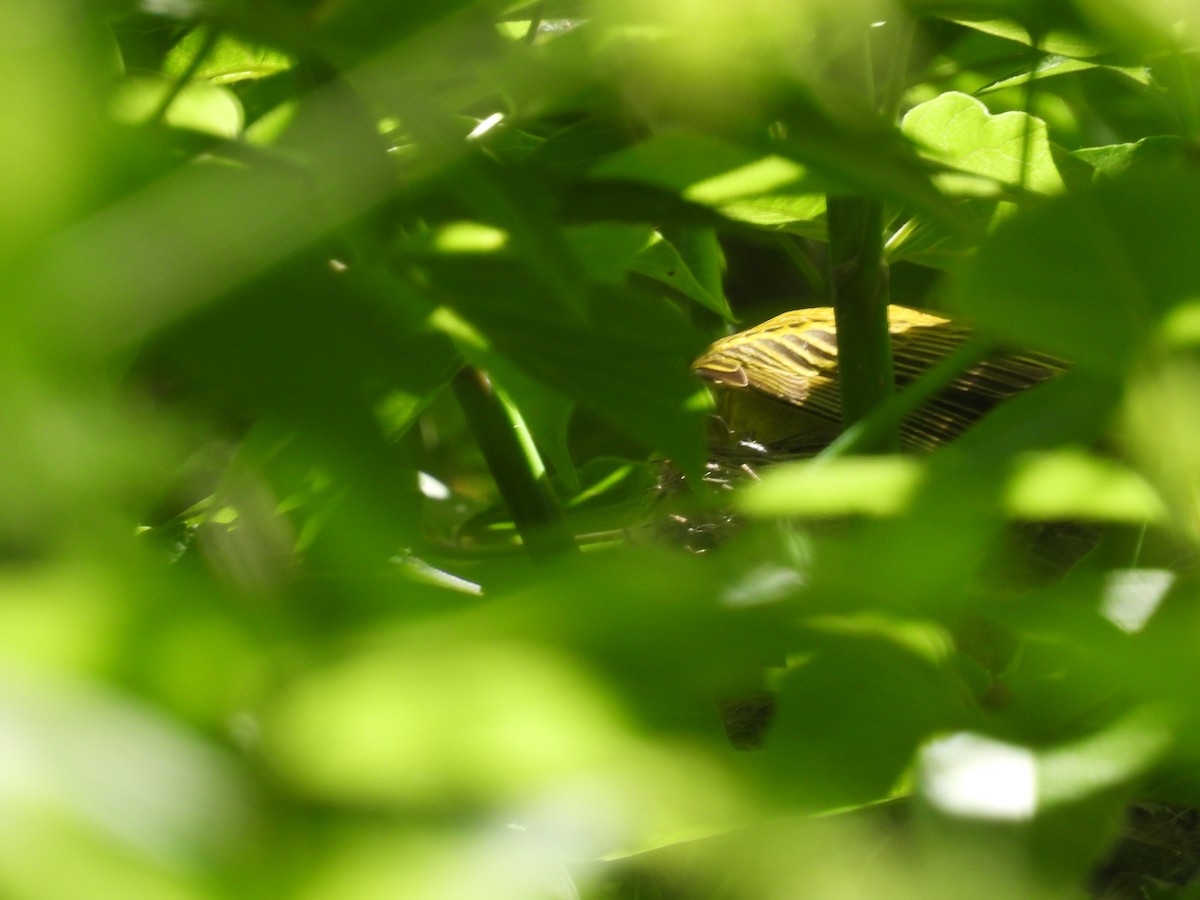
x: 1062, y: 43
x: 704, y: 169
x: 608, y: 251
x: 364, y: 347
x: 855, y: 485
x: 607, y: 361
x: 1096, y: 270
x: 1071, y: 484
x: 843, y: 731
x: 57, y: 64
x: 130, y: 797
x: 397, y: 717
x: 266, y: 627
x: 199, y: 106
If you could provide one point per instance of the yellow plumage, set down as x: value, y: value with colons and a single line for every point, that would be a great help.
x: 777, y: 383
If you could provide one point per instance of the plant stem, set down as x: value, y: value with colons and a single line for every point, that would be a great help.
x: 515, y: 465
x: 535, y: 21
x: 884, y: 420
x: 858, y: 282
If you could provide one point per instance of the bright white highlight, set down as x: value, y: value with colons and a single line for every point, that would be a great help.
x: 485, y: 126
x: 431, y: 488
x: 976, y: 777
x: 1132, y: 595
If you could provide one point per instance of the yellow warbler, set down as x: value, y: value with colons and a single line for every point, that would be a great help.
x: 777, y: 384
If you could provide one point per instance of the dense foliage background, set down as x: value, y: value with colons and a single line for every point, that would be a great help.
x: 267, y: 630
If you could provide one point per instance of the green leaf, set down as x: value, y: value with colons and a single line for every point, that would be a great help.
x: 850, y: 720
x: 572, y: 150
x: 198, y: 106
x: 741, y: 183
x: 1064, y: 65
x: 705, y: 169
x: 802, y: 214
x: 956, y: 129
x: 1089, y: 275
x: 627, y: 358
x: 1071, y: 484
x: 347, y: 341
x: 699, y: 249
x: 1046, y: 486
x: 932, y: 243
x: 514, y: 199
x: 677, y: 160
x: 1116, y: 158
x: 869, y: 158
x: 372, y: 728
x: 660, y: 260
x: 857, y: 485
x: 545, y: 410
x: 230, y: 60
x: 609, y: 250
x: 1060, y: 42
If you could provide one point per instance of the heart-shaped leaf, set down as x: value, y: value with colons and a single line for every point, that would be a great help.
x: 1009, y: 149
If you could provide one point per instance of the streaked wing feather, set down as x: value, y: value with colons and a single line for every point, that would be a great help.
x: 793, y: 359
x: 786, y: 359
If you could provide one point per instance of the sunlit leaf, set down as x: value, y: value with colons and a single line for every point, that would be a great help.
x: 868, y: 486
x: 1010, y: 148
x: 701, y: 168
x: 226, y: 61
x: 797, y: 213
x: 1065, y: 65
x: 198, y: 105
x: 1071, y: 484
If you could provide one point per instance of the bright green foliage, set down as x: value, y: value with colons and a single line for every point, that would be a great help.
x: 266, y: 627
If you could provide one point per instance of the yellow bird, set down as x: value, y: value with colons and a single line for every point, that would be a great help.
x: 776, y: 385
